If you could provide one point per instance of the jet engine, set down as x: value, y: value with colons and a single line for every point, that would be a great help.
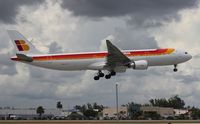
x: 139, y: 65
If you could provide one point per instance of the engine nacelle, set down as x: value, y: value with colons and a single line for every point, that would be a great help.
x: 139, y: 65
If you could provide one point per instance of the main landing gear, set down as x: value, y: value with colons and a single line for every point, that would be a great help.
x: 107, y: 76
x: 112, y: 73
x: 175, y: 68
x: 99, y: 74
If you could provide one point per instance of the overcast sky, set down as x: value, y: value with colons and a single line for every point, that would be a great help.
x: 55, y: 26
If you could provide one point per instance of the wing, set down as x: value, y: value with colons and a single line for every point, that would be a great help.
x: 115, y: 57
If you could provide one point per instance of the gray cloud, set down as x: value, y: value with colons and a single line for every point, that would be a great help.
x: 8, y: 8
x: 102, y: 8
x: 139, y: 10
x: 188, y: 79
x: 196, y: 56
x: 134, y: 39
x: 7, y: 67
x: 40, y: 75
x: 55, y: 48
x: 42, y: 93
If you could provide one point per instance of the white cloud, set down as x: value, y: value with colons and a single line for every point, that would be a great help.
x: 103, y: 46
x: 47, y: 23
x: 183, y: 34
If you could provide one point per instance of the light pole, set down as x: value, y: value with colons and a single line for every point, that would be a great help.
x: 117, y: 101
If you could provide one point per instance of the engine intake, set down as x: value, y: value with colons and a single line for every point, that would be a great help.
x: 139, y: 65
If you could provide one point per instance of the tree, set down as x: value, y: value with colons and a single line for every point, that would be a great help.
x: 99, y: 107
x: 75, y: 116
x: 77, y: 107
x: 134, y: 110
x: 195, y: 113
x: 174, y: 102
x: 80, y: 108
x: 40, y: 111
x: 59, y: 105
x: 89, y: 110
x: 90, y: 113
x: 152, y: 102
x: 95, y: 106
x: 89, y: 106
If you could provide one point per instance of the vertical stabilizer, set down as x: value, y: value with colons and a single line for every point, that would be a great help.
x: 22, y: 45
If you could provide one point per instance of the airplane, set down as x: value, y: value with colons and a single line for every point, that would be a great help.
x: 111, y: 61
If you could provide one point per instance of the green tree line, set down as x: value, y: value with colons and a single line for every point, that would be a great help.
x: 174, y: 102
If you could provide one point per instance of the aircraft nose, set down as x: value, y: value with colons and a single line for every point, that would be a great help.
x: 189, y: 56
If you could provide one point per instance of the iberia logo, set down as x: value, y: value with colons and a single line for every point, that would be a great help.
x: 21, y: 45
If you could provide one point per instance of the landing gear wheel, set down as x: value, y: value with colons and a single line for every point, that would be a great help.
x: 175, y: 70
x: 108, y: 76
x: 113, y: 73
x: 96, y: 77
x: 101, y: 74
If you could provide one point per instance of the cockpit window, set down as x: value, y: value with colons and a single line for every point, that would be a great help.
x: 186, y: 52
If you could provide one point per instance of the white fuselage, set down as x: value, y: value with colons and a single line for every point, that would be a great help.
x: 173, y: 58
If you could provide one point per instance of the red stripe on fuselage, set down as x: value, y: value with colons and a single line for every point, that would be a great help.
x: 100, y: 55
x: 97, y: 55
x: 71, y: 56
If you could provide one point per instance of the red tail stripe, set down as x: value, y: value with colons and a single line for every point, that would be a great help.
x: 20, y: 47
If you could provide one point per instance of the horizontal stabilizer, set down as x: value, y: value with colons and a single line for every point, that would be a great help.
x: 24, y: 57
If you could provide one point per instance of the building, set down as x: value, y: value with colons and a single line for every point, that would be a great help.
x: 162, y: 111
x: 179, y: 112
x: 111, y: 113
x: 30, y: 113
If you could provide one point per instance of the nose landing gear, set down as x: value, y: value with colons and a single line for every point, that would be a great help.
x: 175, y: 68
